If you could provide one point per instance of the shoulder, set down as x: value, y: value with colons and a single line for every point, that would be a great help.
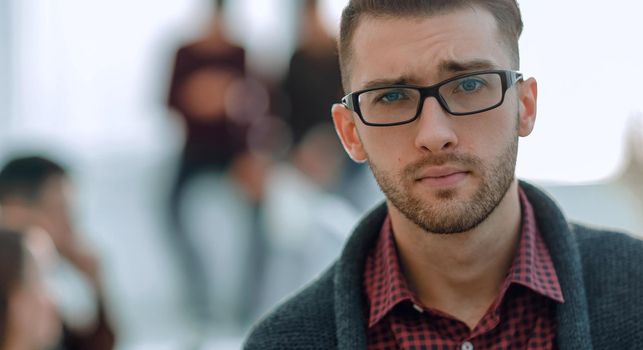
x: 306, y: 320
x: 612, y: 264
x: 620, y: 249
x: 609, y: 256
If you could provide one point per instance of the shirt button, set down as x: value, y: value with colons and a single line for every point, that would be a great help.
x: 418, y: 308
x: 466, y: 346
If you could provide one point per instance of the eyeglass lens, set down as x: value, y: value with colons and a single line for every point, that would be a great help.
x: 465, y: 95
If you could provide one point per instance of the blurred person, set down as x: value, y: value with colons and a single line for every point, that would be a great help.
x: 268, y: 142
x: 268, y: 211
x: 28, y: 319
x: 204, y: 74
x: 305, y: 222
x: 312, y: 82
x: 225, y: 218
x: 203, y: 88
x: 311, y: 85
x: 35, y: 196
x: 461, y: 254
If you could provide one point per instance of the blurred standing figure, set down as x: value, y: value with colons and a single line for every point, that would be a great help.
x: 312, y: 85
x: 34, y: 197
x: 205, y: 76
x: 28, y: 319
x: 313, y: 82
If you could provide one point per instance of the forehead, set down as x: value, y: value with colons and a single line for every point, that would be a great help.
x: 421, y: 49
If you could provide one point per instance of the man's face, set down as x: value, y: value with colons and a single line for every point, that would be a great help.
x: 444, y: 173
x: 53, y: 208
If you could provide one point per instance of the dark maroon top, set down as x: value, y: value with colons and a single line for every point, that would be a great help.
x: 213, y: 138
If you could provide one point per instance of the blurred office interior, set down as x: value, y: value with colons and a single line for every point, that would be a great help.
x: 87, y: 82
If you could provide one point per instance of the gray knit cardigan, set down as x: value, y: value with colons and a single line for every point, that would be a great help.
x: 600, y: 273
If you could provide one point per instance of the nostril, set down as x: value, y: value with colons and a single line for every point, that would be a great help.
x: 448, y: 145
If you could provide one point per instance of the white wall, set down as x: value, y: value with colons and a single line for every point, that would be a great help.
x: 588, y: 59
x: 5, y: 68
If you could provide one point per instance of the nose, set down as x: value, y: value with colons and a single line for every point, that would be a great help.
x: 435, y: 128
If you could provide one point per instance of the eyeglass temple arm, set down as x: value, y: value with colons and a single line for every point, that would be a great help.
x: 347, y: 101
x: 515, y: 76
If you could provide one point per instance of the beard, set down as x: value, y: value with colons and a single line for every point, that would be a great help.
x: 449, y: 214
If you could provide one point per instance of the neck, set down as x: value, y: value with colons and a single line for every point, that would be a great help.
x: 461, y: 273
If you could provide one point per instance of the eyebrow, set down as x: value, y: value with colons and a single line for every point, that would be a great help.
x: 444, y: 68
x: 402, y: 80
x: 466, y: 66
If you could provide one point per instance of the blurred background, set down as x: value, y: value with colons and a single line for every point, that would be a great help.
x: 191, y: 237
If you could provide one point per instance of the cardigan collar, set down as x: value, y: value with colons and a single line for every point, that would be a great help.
x: 572, y: 316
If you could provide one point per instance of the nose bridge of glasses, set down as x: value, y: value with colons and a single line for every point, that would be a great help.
x: 435, y: 128
x: 431, y: 91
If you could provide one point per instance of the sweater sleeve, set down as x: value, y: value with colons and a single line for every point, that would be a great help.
x: 613, y: 277
x: 305, y: 321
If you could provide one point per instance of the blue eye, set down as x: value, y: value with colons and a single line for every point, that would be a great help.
x: 392, y: 96
x: 470, y: 85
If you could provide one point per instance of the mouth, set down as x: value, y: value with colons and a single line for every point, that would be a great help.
x: 440, y: 177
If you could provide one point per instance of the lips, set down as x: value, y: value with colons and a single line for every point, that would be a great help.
x: 442, y: 176
x: 438, y: 172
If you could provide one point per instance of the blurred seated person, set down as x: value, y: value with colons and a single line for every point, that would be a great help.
x: 34, y: 197
x: 28, y: 319
x: 306, y: 223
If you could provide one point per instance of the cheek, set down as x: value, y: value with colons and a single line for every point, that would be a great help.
x: 488, y: 133
x: 387, y: 146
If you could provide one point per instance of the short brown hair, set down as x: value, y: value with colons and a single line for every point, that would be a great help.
x: 506, y: 13
x: 25, y: 177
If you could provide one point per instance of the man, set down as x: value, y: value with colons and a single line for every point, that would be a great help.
x: 34, y: 198
x: 462, y: 255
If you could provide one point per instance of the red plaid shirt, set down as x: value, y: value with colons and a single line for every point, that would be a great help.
x: 523, y: 315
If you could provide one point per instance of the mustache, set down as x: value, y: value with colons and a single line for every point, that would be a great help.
x: 458, y: 160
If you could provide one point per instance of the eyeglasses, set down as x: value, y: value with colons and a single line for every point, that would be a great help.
x: 461, y: 95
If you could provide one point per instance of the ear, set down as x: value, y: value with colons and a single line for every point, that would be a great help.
x: 527, y: 98
x: 347, y: 132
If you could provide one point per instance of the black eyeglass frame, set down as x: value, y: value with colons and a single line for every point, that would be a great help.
x: 508, y: 79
